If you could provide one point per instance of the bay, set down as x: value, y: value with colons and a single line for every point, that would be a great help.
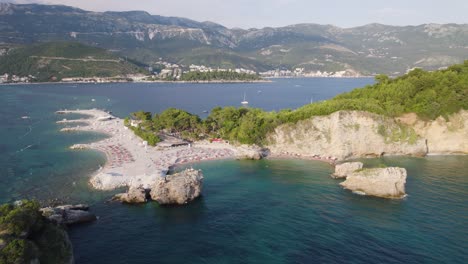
x: 271, y: 211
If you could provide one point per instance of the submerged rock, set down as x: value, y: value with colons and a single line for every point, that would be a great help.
x: 68, y: 214
x: 381, y: 182
x: 179, y: 188
x: 134, y: 195
x: 344, y: 169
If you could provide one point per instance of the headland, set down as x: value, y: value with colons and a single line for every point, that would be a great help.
x: 130, y: 161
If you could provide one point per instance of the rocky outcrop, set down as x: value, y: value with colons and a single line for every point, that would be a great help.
x: 347, y: 134
x: 245, y: 152
x: 381, y: 182
x: 28, y: 237
x: 344, y: 169
x: 179, y: 188
x: 68, y: 214
x: 79, y: 146
x: 134, y: 195
x: 443, y: 135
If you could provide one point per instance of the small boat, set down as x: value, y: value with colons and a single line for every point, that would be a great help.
x: 205, y: 111
x: 259, y: 91
x: 25, y: 117
x: 245, y: 102
x: 93, y: 100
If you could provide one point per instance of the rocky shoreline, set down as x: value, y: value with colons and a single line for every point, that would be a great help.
x: 340, y: 136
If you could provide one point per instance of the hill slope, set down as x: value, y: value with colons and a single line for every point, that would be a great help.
x: 368, y: 49
x: 57, y: 60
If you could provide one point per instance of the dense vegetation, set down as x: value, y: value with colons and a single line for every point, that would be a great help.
x: 218, y: 76
x: 77, y: 60
x: 25, y: 236
x: 428, y: 94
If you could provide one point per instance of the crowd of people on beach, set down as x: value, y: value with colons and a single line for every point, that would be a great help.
x: 191, y: 154
x: 117, y: 155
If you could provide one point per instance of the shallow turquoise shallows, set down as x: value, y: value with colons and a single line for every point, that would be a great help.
x: 271, y: 211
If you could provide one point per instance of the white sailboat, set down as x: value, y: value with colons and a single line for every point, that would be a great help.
x: 245, y: 102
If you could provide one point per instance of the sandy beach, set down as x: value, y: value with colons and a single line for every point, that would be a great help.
x: 130, y: 162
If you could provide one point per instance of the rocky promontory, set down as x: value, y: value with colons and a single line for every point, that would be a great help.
x: 179, y: 188
x: 381, y: 182
x: 68, y: 214
x: 26, y: 236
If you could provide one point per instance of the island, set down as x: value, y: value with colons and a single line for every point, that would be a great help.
x: 373, y: 121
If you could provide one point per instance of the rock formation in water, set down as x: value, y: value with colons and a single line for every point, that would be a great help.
x: 353, y: 134
x: 344, y: 169
x: 68, y: 214
x: 382, y: 182
x: 133, y: 195
x: 28, y: 237
x: 179, y: 188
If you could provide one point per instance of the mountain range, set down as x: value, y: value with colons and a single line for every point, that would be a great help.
x: 140, y: 36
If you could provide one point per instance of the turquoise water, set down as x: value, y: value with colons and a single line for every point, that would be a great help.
x: 271, y: 211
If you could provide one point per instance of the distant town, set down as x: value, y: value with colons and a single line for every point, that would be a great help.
x: 166, y: 71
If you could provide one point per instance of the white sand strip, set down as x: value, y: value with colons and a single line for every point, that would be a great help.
x: 130, y: 162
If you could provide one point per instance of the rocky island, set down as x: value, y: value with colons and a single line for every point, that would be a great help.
x: 381, y: 182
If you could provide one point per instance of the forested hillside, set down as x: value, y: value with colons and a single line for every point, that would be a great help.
x: 428, y: 94
x: 56, y: 60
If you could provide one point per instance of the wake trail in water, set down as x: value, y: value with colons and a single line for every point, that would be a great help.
x: 27, y: 133
x: 23, y: 149
x: 30, y: 129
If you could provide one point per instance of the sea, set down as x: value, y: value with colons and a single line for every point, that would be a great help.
x: 268, y: 211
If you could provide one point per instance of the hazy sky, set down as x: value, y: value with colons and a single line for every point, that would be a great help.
x: 261, y: 13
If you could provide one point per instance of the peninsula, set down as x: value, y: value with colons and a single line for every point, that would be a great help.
x: 130, y: 161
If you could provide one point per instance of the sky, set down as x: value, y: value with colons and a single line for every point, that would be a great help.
x: 275, y: 13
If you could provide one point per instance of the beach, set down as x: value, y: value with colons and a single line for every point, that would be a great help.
x: 130, y: 161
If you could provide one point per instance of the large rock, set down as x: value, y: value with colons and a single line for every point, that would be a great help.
x: 134, y: 195
x: 68, y: 214
x: 382, y: 182
x: 179, y: 188
x: 246, y: 152
x: 344, y: 169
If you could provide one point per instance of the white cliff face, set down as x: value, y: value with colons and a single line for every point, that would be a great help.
x: 443, y: 136
x: 344, y: 169
x: 179, y: 188
x: 347, y: 134
x: 382, y: 182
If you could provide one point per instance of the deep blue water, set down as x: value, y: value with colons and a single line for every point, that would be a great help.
x: 271, y: 211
